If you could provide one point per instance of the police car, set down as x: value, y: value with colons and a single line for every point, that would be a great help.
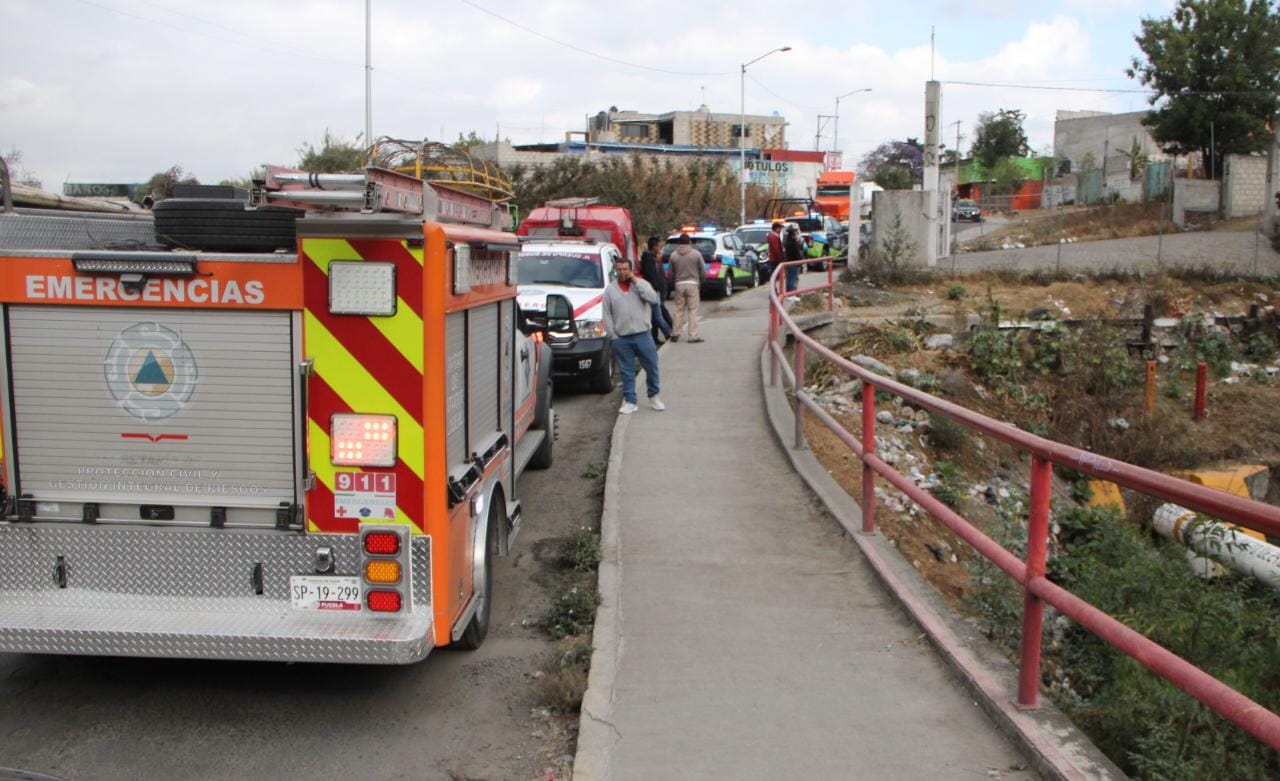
x: 731, y: 264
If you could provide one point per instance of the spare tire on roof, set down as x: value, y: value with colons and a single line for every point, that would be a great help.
x: 224, y: 225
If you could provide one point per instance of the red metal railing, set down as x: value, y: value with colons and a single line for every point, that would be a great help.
x: 1221, y: 698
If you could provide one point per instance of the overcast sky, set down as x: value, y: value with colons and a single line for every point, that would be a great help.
x: 116, y: 90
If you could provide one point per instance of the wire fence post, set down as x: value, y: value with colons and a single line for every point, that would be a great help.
x: 1160, y: 241
x: 1032, y: 606
x: 1060, y: 240
x: 868, y: 449
x: 799, y: 389
x: 1256, y: 235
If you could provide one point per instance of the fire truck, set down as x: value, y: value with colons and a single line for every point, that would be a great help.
x: 309, y: 455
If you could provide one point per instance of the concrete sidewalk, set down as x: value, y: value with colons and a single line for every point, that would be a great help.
x: 741, y: 633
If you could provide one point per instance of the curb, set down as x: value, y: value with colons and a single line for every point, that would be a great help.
x: 596, y: 733
x: 1050, y: 740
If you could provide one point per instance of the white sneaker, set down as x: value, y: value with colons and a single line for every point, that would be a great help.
x: 656, y: 403
x: 627, y: 408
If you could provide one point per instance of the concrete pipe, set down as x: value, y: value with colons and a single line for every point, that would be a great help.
x: 1222, y: 542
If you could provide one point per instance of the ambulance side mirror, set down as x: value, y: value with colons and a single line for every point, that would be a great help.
x: 559, y: 313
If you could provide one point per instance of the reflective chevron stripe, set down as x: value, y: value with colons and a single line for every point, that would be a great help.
x: 364, y: 364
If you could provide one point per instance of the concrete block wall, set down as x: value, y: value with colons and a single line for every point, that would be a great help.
x: 912, y: 206
x: 1194, y: 195
x: 1244, y: 185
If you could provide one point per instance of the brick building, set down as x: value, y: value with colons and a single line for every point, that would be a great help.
x: 687, y: 128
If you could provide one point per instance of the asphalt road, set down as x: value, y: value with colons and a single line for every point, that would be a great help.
x: 456, y: 715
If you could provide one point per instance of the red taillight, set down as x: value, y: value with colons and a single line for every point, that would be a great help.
x: 382, y: 544
x: 383, y: 601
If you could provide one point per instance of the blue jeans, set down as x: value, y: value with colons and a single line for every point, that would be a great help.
x: 793, y: 278
x: 627, y: 349
x: 660, y: 320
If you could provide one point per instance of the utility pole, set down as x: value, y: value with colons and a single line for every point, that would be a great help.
x: 368, y: 80
x: 1270, y: 206
x: 817, y: 137
x: 742, y: 133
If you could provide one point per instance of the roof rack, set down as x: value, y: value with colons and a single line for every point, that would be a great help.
x: 572, y: 203
x: 373, y: 191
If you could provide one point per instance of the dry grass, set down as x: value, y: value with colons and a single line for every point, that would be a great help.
x: 1170, y: 294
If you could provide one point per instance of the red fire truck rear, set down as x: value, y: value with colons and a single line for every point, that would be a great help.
x: 305, y: 455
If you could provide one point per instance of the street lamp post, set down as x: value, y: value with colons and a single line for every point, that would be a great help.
x: 742, y: 133
x: 835, y: 135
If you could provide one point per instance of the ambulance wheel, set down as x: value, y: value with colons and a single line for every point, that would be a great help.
x: 482, y: 578
x: 602, y: 378
x: 727, y: 289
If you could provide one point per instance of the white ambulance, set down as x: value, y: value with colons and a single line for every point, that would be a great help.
x: 580, y: 271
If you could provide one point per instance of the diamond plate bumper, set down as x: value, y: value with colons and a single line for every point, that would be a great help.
x: 192, y: 593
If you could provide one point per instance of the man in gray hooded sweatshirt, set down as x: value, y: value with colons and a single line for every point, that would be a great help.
x: 628, y: 309
x: 688, y: 269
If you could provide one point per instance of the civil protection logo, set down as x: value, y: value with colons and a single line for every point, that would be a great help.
x: 150, y: 371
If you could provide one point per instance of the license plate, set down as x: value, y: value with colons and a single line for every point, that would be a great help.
x: 325, y: 592
x: 585, y: 363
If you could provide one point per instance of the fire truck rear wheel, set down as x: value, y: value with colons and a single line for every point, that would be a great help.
x: 482, y: 578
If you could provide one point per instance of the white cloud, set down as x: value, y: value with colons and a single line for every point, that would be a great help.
x: 220, y: 88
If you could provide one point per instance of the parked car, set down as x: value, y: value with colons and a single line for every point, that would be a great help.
x: 966, y: 209
x: 756, y: 236
x: 730, y: 263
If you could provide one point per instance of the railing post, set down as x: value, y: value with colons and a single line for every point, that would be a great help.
x: 773, y: 340
x: 868, y: 448
x: 799, y: 388
x: 831, y: 285
x: 1032, y: 607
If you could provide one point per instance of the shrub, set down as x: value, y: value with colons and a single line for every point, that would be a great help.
x: 946, y: 435
x: 955, y: 293
x: 950, y: 486
x: 1147, y: 726
x: 572, y: 613
x: 561, y: 689
x: 580, y: 551
x: 995, y: 355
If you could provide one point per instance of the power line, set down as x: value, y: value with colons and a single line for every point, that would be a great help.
x: 257, y: 44
x: 588, y: 52
x: 1012, y: 85
x: 788, y: 101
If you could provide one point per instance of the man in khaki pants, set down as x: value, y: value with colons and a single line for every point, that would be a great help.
x: 687, y: 269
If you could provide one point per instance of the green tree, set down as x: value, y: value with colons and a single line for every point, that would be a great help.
x: 661, y: 195
x: 468, y: 142
x: 893, y: 177
x: 13, y: 159
x: 1000, y: 134
x: 160, y: 186
x: 336, y: 155
x: 1008, y: 175
x: 1215, y: 64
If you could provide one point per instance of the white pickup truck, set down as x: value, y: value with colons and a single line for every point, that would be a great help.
x: 579, y: 271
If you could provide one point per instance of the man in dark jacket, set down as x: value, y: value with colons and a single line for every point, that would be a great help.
x: 794, y: 249
x: 651, y: 270
x: 776, y: 253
